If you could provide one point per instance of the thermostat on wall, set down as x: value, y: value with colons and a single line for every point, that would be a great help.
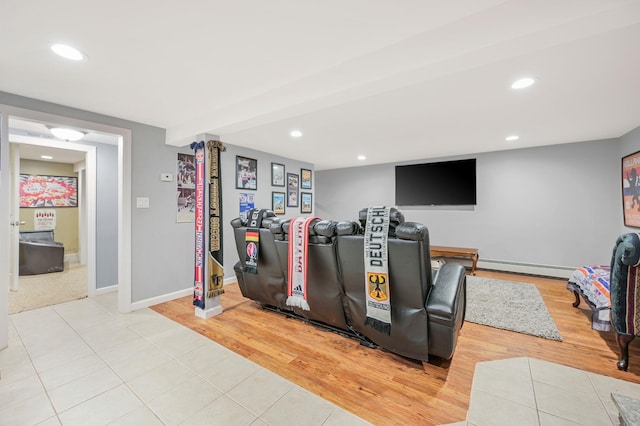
x: 166, y: 177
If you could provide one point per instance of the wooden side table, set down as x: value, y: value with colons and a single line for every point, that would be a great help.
x: 457, y: 252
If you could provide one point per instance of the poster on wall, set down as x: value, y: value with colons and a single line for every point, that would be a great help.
x: 48, y: 191
x: 44, y: 220
x: 631, y: 189
x: 186, y: 181
x: 246, y: 204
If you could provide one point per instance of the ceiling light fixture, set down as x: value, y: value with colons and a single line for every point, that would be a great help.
x: 522, y: 83
x: 512, y: 138
x: 68, y: 135
x: 361, y: 157
x: 68, y: 52
x: 296, y: 133
x: 46, y: 157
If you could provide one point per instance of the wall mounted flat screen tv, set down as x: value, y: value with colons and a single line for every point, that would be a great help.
x: 446, y: 183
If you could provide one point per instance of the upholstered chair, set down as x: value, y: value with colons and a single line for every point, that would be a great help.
x: 625, y: 293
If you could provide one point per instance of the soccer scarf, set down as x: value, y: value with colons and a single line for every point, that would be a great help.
x: 376, y: 268
x: 298, y: 260
x: 252, y: 240
x: 212, y: 249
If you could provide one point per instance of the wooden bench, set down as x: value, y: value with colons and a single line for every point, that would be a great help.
x: 459, y: 252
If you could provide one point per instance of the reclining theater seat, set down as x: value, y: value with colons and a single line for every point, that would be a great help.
x: 426, y: 312
x: 324, y: 286
x: 426, y: 315
x: 269, y: 286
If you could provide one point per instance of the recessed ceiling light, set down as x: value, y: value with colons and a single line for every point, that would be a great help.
x: 512, y: 138
x: 46, y: 157
x: 522, y: 83
x: 66, y: 134
x: 361, y: 157
x: 68, y: 52
x: 296, y: 133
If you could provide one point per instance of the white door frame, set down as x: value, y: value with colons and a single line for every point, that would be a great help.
x: 90, y: 193
x: 124, y: 203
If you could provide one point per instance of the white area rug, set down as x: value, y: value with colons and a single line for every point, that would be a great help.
x: 510, y: 306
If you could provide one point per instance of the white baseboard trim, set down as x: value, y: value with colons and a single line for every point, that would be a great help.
x: 72, y: 258
x: 106, y: 290
x: 527, y: 268
x: 161, y: 299
x: 170, y: 296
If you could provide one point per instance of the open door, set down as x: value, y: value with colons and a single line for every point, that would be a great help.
x: 14, y: 217
x: 4, y: 230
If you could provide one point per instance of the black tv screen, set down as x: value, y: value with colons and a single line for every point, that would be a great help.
x: 447, y: 183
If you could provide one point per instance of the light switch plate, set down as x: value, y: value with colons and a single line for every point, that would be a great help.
x: 166, y: 177
x: 142, y: 202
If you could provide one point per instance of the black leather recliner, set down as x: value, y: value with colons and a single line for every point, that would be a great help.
x: 427, y: 308
x: 39, y: 253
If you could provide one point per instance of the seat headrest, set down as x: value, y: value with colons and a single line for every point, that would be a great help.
x: 412, y: 231
x: 395, y: 218
x: 266, y: 214
x: 348, y: 227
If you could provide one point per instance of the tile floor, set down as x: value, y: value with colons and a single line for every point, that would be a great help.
x: 83, y: 363
x: 528, y: 391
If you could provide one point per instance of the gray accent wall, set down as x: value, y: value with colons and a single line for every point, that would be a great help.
x: 550, y: 206
x: 106, y: 215
x: 231, y: 195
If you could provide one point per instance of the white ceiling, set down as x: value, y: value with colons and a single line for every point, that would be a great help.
x: 394, y: 80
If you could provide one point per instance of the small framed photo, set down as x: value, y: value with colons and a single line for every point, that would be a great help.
x: 278, y: 202
x: 305, y: 179
x: 246, y: 173
x: 277, y: 174
x: 307, y: 202
x: 293, y: 185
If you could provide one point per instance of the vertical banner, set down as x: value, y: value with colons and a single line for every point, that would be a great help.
x: 198, y: 283
x: 215, y: 271
x: 209, y: 276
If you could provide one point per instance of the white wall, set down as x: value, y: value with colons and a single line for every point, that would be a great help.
x: 553, y: 206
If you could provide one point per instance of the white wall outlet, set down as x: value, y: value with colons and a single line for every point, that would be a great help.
x: 166, y: 177
x: 142, y: 202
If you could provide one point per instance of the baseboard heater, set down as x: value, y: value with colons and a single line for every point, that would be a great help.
x: 527, y: 268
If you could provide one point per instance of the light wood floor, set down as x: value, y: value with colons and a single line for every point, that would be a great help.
x: 384, y: 388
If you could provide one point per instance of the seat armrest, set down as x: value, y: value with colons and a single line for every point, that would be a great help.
x: 448, y: 286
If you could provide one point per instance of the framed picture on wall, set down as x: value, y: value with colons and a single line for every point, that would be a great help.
x: 306, y: 205
x: 293, y: 185
x: 48, y: 191
x: 246, y: 173
x: 277, y: 174
x: 278, y: 202
x: 631, y: 189
x: 305, y: 179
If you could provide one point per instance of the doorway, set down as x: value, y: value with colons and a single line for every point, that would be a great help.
x: 123, y: 136
x: 53, y: 271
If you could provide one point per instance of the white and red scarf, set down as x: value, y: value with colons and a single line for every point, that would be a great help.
x: 298, y: 259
